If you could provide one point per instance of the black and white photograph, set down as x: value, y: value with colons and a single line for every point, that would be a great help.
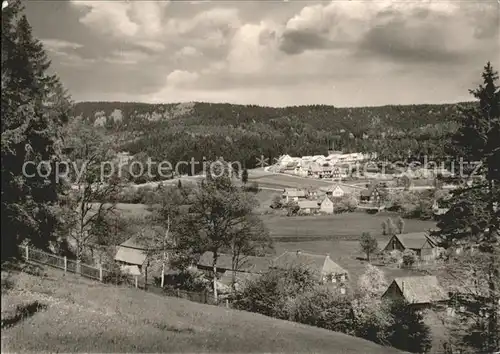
x: 250, y: 176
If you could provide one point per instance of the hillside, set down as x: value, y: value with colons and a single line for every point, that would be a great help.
x: 85, y: 316
x: 242, y: 133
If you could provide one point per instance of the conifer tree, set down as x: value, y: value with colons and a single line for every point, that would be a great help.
x: 34, y: 109
x: 473, y: 219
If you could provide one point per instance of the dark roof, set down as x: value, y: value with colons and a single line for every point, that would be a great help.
x: 292, y: 192
x: 134, y: 250
x: 250, y: 264
x: 414, y: 240
x: 420, y: 289
x: 311, y: 204
x: 315, y: 262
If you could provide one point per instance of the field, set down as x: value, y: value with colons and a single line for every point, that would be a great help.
x: 337, y: 235
x: 348, y: 226
x: 77, y: 315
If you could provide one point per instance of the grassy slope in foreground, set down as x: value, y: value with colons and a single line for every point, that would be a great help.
x: 85, y: 316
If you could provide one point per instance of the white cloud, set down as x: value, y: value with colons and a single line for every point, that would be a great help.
x: 151, y: 45
x: 252, y: 48
x: 57, y: 45
x: 108, y: 17
x: 124, y: 19
x: 127, y: 57
x: 188, y: 51
x: 181, y: 78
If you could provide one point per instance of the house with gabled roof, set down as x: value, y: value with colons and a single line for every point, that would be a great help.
x: 326, y: 205
x: 132, y: 255
x: 315, y: 170
x: 247, y: 264
x: 372, y: 194
x: 293, y: 195
x: 249, y: 268
x: 418, y: 291
x: 308, y: 206
x: 324, y: 269
x: 420, y: 242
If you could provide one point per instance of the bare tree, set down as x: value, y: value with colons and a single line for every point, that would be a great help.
x: 92, y: 197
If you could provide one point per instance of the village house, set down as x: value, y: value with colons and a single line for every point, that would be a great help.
x: 324, y: 269
x: 133, y: 258
x: 419, y: 242
x: 371, y: 195
x: 315, y: 170
x: 420, y: 292
x: 335, y: 191
x: 326, y: 205
x: 326, y: 171
x: 131, y: 255
x: 293, y: 195
x: 308, y: 206
x: 249, y: 267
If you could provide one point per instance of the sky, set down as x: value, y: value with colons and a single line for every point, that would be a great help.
x: 276, y: 53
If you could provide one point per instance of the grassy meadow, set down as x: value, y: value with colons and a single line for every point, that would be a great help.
x: 79, y: 315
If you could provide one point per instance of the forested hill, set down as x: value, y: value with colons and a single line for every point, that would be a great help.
x: 239, y: 132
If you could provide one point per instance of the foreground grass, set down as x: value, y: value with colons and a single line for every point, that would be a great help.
x: 78, y: 315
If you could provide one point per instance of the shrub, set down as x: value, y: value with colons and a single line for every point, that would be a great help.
x: 321, y: 307
x: 409, y: 258
x: 252, y: 187
x: 277, y: 203
x: 189, y: 279
x: 114, y: 275
x: 272, y: 293
x: 392, y: 257
x: 346, y: 204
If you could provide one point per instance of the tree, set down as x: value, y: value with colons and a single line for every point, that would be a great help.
x: 371, y: 315
x: 94, y: 196
x: 409, y: 258
x: 369, y: 244
x: 179, y: 184
x: 408, y: 331
x: 251, y: 239
x: 474, y: 218
x: 220, y: 217
x: 391, y: 228
x: 244, y: 176
x: 35, y: 107
x: 400, y: 224
x: 372, y: 282
x: 384, y: 227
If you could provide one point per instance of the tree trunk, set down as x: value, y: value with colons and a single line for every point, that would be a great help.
x: 146, y: 265
x: 493, y: 274
x: 214, y: 268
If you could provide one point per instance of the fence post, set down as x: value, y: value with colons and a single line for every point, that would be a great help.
x: 178, y: 293
x: 100, y: 272
x: 65, y: 264
x: 136, y: 284
x: 27, y: 252
x: 78, y: 268
x: 227, y: 303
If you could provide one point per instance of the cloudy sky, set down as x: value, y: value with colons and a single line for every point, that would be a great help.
x: 345, y: 53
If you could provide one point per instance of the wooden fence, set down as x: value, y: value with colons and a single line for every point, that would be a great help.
x: 67, y: 265
x: 101, y: 274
